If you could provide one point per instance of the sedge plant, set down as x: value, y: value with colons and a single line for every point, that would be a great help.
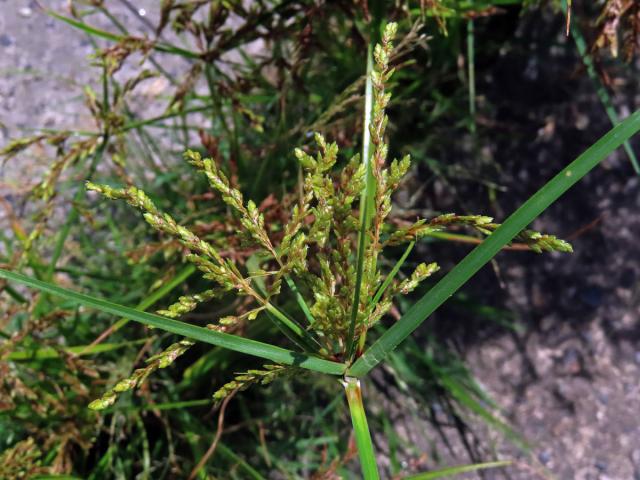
x: 327, y: 257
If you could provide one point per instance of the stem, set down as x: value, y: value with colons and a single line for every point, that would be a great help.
x: 361, y: 429
x: 471, y: 74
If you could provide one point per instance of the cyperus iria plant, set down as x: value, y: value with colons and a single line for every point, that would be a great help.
x: 327, y: 259
x: 329, y: 248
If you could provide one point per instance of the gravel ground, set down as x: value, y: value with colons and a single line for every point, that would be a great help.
x: 569, y: 378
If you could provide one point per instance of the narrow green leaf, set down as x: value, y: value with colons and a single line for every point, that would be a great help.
x: 366, y: 202
x: 300, y: 300
x: 394, y: 271
x: 80, y: 350
x: 165, y: 116
x: 448, y: 472
x: 231, y: 342
x: 291, y: 329
x: 463, y: 397
x: 160, y: 406
x: 484, y: 252
x: 96, y: 32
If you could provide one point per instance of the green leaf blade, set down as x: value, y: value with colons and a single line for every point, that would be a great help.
x: 451, y: 471
x: 366, y: 203
x: 231, y: 342
x: 484, y: 252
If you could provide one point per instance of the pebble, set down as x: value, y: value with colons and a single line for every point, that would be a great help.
x: 6, y: 40
x: 603, y: 398
x: 25, y: 12
x: 544, y: 457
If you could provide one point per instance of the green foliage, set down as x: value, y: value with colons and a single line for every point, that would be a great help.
x: 283, y: 268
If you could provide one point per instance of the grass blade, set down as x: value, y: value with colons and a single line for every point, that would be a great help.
x: 378, y: 295
x: 366, y: 202
x: 300, y: 300
x: 361, y: 429
x: 231, y: 342
x: 96, y: 32
x: 448, y: 472
x: 484, y: 252
x: 48, y: 353
x: 394, y: 271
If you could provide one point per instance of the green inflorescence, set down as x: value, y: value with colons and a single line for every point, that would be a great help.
x: 315, y: 254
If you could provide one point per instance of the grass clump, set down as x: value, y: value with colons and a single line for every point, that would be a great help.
x: 314, y: 268
x: 327, y: 254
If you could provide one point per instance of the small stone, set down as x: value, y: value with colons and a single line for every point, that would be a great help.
x: 25, y: 12
x: 603, y: 398
x: 6, y: 40
x: 544, y: 457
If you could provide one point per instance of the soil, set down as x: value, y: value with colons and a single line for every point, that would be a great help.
x: 568, y: 376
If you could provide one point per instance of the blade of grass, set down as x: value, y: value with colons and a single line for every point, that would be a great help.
x: 361, y: 429
x: 394, y: 271
x: 231, y: 342
x: 297, y: 334
x: 382, y: 289
x: 484, y: 252
x: 448, y: 472
x: 287, y: 325
x: 135, y: 124
x: 160, y: 406
x: 80, y: 350
x: 462, y: 396
x: 165, y: 116
x: 241, y: 463
x: 601, y: 91
x: 300, y: 300
x: 366, y: 203
x: 13, y: 294
x: 96, y: 32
